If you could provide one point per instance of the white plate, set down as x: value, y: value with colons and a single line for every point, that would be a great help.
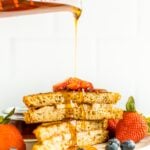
x: 18, y: 110
x: 17, y: 117
x: 30, y: 140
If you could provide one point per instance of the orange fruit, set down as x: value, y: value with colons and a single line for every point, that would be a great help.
x: 10, y: 137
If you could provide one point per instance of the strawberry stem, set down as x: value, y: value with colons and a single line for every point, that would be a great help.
x: 130, y: 105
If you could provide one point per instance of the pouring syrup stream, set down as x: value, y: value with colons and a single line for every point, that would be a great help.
x: 77, y: 13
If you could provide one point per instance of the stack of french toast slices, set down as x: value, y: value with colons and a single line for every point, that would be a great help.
x: 69, y: 117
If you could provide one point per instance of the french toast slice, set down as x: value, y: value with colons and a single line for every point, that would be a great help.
x: 82, y: 112
x: 46, y: 130
x: 65, y: 140
x: 54, y: 98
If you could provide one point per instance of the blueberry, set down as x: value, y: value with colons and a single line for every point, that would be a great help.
x: 114, y: 140
x: 112, y: 146
x: 128, y: 145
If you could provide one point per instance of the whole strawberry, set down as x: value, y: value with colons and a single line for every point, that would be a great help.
x: 112, y: 124
x: 133, y: 125
x: 10, y: 136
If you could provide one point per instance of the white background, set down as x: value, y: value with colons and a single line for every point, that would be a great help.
x: 113, y: 51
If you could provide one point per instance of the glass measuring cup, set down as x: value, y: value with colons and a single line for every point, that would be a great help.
x: 26, y: 7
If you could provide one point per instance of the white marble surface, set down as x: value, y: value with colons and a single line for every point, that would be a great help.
x: 143, y: 145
